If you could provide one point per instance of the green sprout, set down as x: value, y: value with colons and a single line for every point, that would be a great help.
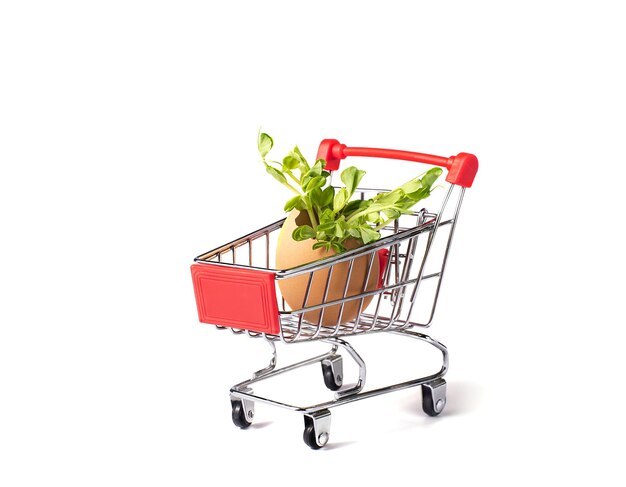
x: 334, y: 217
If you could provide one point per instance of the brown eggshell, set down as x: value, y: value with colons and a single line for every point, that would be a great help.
x: 291, y: 253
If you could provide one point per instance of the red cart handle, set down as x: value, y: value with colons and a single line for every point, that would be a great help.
x: 461, y: 168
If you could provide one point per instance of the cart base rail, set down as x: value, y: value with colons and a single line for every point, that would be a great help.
x: 317, y: 416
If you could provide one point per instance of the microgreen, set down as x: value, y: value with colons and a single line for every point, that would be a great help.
x: 333, y: 217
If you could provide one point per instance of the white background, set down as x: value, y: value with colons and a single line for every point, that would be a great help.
x: 127, y: 145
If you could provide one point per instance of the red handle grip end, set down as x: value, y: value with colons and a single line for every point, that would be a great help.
x: 331, y: 151
x: 463, y: 168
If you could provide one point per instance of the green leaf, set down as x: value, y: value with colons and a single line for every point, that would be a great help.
x: 354, y: 232
x: 317, y: 169
x: 303, y: 232
x: 304, y: 180
x: 298, y: 154
x: 373, y: 207
x: 295, y: 203
x: 290, y: 163
x: 302, y: 165
x: 337, y: 247
x: 313, y: 183
x: 401, y: 200
x: 340, y: 199
x: 316, y: 197
x: 327, y: 215
x: 319, y: 245
x: 431, y: 176
x: 392, y: 213
x: 373, y: 217
x: 356, y: 205
x: 265, y: 144
x: 411, y: 186
x: 279, y: 176
x: 391, y: 197
x: 351, y: 177
x: 404, y: 205
x: 427, y: 181
x: 368, y: 235
x: 327, y: 227
x: 327, y: 196
x: 420, y: 194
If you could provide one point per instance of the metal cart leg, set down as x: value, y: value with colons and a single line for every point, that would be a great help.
x: 332, y: 370
x: 243, y: 410
x: 272, y: 365
x: 357, y: 358
x: 434, y: 397
x: 317, y: 429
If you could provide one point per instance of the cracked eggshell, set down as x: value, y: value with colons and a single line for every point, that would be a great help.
x: 291, y: 253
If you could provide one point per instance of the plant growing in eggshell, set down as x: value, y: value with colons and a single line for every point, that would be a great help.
x: 324, y: 221
x: 333, y: 218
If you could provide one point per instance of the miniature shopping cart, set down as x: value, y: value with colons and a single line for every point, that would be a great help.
x: 236, y: 288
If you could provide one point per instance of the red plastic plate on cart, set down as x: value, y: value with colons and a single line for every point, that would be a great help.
x: 237, y: 298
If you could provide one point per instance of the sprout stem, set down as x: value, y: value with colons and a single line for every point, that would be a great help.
x: 293, y: 189
x: 290, y: 174
x: 312, y: 218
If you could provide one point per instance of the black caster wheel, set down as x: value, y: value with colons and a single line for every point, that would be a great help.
x: 317, y: 429
x: 310, y: 438
x: 434, y: 397
x: 334, y: 384
x: 332, y: 369
x: 240, y: 415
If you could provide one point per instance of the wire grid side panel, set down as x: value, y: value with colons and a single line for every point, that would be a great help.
x: 258, y: 250
x: 380, y: 307
x: 422, y: 263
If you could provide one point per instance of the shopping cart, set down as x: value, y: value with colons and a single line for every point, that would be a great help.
x: 236, y: 288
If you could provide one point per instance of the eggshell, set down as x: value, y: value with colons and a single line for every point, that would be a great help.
x: 291, y: 253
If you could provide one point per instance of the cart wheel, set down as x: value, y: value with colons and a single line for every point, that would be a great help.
x: 434, y: 397
x: 317, y: 429
x: 240, y: 416
x: 332, y: 369
x: 310, y: 439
